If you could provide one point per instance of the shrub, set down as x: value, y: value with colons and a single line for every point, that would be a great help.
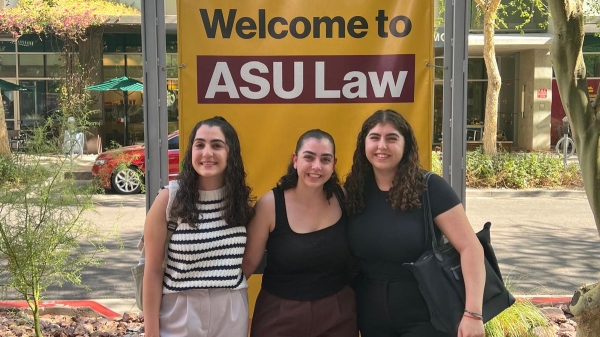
x: 516, y: 170
x: 516, y: 321
x: 8, y: 170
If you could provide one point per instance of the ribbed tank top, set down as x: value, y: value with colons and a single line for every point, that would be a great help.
x: 207, y: 254
x: 306, y: 266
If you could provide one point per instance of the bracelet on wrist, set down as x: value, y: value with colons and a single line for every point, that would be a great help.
x: 473, y: 315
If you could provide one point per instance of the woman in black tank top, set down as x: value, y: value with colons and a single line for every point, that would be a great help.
x: 302, y: 226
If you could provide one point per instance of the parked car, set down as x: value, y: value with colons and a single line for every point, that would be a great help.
x: 123, y: 169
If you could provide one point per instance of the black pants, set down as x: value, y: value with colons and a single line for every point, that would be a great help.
x: 393, y: 309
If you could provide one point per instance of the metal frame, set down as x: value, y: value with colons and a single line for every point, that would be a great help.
x: 454, y: 127
x: 155, y: 97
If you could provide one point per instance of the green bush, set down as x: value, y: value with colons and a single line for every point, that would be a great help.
x: 517, y: 170
x: 8, y: 170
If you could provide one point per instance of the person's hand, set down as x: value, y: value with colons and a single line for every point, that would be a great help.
x: 470, y: 327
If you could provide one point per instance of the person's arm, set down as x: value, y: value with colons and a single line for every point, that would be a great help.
x: 155, y: 234
x: 456, y: 227
x: 258, y: 231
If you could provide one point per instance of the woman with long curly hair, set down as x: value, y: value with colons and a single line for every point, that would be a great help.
x: 387, y: 228
x: 302, y: 225
x: 201, y: 290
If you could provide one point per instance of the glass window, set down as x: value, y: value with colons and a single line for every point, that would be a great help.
x: 114, y: 43
x: 507, y: 109
x: 31, y: 65
x: 592, y: 64
x: 134, y: 66
x: 174, y: 143
x: 476, y: 102
x: 171, y: 43
x: 591, y: 43
x: 53, y: 65
x: 439, y: 69
x: 113, y: 66
x: 7, y: 46
x: 508, y: 69
x: 477, y: 69
x: 8, y: 65
x: 8, y: 100
x: 172, y: 66
x: 30, y: 43
x: 32, y: 103
x: 133, y: 43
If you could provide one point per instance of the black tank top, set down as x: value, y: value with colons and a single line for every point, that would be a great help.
x: 307, y: 266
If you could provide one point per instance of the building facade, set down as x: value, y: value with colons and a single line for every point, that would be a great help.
x: 529, y: 107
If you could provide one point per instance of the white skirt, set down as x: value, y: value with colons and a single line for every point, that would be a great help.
x: 205, y: 313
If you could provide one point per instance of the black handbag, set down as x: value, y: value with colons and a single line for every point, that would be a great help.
x: 439, y: 275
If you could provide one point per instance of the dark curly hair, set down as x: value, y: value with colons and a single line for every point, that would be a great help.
x: 290, y: 179
x: 408, y: 185
x: 238, y: 201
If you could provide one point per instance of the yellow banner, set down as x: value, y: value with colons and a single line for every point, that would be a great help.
x: 275, y: 69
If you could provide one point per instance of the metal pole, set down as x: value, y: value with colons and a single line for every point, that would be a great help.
x: 155, y: 97
x: 454, y: 124
x: 565, y: 146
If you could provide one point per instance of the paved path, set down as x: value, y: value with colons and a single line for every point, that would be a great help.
x: 545, y: 245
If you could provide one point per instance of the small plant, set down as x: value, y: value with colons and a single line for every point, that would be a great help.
x: 41, y: 221
x: 517, y: 321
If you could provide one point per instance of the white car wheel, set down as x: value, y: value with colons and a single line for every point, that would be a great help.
x: 127, y: 181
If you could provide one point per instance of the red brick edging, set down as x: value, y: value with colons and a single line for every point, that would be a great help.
x: 97, y: 307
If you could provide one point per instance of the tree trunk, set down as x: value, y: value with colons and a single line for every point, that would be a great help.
x: 569, y: 68
x: 585, y: 306
x: 4, y: 144
x: 494, y: 81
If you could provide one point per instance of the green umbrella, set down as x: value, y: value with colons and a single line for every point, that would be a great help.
x: 124, y: 84
x: 118, y: 84
x: 7, y: 86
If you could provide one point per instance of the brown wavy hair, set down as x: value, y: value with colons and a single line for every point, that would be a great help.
x: 290, y: 179
x: 407, y: 186
x: 237, y: 194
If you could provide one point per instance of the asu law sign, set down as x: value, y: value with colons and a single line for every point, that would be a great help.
x: 306, y: 79
x: 275, y: 69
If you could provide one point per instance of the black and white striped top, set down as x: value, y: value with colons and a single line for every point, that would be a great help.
x: 209, y: 254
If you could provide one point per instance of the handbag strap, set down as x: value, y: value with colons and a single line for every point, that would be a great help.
x: 172, y: 224
x: 428, y: 218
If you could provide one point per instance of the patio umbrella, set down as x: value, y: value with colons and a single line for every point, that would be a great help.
x: 124, y: 84
x: 7, y: 86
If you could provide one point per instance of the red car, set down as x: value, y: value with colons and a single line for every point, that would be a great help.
x: 122, y: 170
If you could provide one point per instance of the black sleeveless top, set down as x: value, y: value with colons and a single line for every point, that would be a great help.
x: 307, y: 266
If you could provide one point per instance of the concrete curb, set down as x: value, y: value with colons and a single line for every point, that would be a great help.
x: 498, y: 193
